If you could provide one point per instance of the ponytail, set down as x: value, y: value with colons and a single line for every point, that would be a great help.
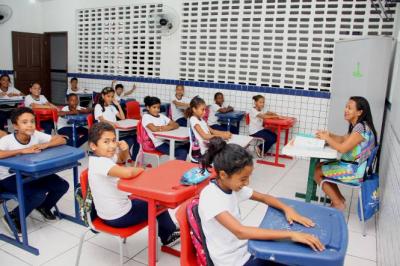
x: 194, y: 103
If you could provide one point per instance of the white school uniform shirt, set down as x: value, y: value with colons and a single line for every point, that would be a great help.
x: 224, y: 247
x: 256, y: 123
x: 117, y: 97
x: 175, y: 111
x: 109, y: 114
x: 11, y: 90
x: 212, y: 118
x: 79, y: 91
x: 203, y: 124
x: 111, y: 203
x: 9, y: 143
x: 161, y: 120
x: 29, y: 100
x: 62, y: 122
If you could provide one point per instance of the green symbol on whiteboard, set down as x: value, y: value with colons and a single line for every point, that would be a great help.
x: 357, y: 72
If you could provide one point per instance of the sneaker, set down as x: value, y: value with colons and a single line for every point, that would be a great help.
x: 47, y: 214
x: 258, y: 152
x: 16, y: 224
x: 173, y: 239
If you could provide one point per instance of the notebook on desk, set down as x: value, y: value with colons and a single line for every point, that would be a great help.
x: 308, y: 141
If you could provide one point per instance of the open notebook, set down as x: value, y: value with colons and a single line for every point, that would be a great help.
x: 308, y: 141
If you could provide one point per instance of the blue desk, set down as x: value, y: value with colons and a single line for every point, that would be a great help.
x: 164, y: 108
x: 76, y: 121
x: 33, y: 166
x: 230, y: 117
x: 330, y: 228
x: 11, y: 101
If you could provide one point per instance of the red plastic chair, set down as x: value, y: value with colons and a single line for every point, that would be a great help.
x: 188, y: 252
x: 145, y: 145
x: 45, y: 114
x: 133, y: 110
x: 99, y: 226
x: 90, y: 120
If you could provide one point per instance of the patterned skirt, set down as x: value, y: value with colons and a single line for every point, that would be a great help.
x: 342, y: 171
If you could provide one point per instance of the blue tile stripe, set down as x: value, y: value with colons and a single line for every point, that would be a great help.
x: 210, y: 85
x: 8, y: 72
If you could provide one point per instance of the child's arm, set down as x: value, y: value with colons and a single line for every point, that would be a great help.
x: 249, y: 232
x: 125, y: 172
x: 225, y: 109
x: 130, y: 91
x: 170, y: 126
x: 43, y: 106
x: 85, y: 110
x: 13, y: 94
x: 268, y: 115
x: 348, y: 144
x: 120, y: 114
x: 113, y: 83
x: 180, y: 104
x: 123, y: 155
x: 214, y: 133
x: 290, y: 213
x: 56, y: 140
x: 3, y: 133
x: 11, y: 153
x: 73, y: 112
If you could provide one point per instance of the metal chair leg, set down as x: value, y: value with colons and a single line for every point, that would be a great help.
x: 78, y: 256
x: 121, y: 251
x: 362, y: 212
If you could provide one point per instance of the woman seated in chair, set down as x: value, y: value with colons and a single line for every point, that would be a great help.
x: 355, y: 147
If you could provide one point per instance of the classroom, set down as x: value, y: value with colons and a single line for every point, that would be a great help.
x: 200, y: 132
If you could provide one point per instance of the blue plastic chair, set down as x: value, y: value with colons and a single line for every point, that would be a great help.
x: 370, y: 162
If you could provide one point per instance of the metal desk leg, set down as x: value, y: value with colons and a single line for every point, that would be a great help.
x: 74, y: 136
x: 229, y: 125
x: 311, y: 185
x: 172, y: 149
x: 276, y: 155
x: 152, y: 216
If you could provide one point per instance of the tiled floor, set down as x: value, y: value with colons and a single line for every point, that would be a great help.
x: 58, y: 241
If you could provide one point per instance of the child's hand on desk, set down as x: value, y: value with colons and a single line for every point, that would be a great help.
x: 32, y: 149
x: 322, y: 134
x: 227, y: 135
x: 43, y: 146
x: 123, y: 146
x: 2, y: 94
x: 307, y: 239
x: 293, y: 216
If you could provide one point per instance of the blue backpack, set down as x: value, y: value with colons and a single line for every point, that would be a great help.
x: 194, y: 176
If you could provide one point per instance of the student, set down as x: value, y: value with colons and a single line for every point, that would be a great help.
x: 36, y: 100
x: 219, y: 107
x: 256, y: 126
x: 107, y: 110
x: 64, y: 128
x: 178, y: 105
x: 41, y: 194
x: 226, y: 237
x: 84, y: 101
x: 202, y: 132
x: 112, y: 204
x: 6, y: 91
x: 119, y: 91
x: 154, y: 121
x: 355, y: 147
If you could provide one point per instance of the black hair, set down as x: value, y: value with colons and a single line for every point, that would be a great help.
x: 71, y: 95
x: 97, y: 130
x: 366, y: 115
x: 217, y: 94
x: 105, y: 91
x: 180, y: 85
x: 5, y: 75
x: 33, y: 83
x: 194, y: 103
x: 150, y: 101
x: 257, y: 97
x: 119, y: 85
x: 16, y: 113
x: 230, y: 158
x: 74, y: 79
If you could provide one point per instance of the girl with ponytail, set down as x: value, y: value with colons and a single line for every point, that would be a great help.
x: 226, y: 237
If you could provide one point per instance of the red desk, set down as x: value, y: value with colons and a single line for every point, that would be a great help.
x: 161, y: 187
x: 279, y: 125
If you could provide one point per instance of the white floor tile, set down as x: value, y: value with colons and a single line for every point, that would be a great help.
x: 355, y: 225
x: 256, y: 215
x: 72, y: 228
x: 355, y: 261
x: 7, y: 259
x: 164, y: 259
x: 50, y: 241
x: 362, y: 246
x: 133, y: 246
x: 33, y: 225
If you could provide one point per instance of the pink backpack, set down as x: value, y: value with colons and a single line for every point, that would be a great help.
x: 144, y: 139
x: 197, y: 235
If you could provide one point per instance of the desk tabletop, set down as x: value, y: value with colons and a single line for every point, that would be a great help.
x: 11, y: 100
x: 325, y: 153
x: 127, y: 124
x: 50, y: 158
x: 163, y: 183
x: 330, y: 228
x: 231, y: 115
x: 76, y: 118
x: 181, y: 133
x: 241, y: 140
x: 284, y: 121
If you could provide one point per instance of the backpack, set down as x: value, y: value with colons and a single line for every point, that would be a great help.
x: 86, y: 205
x: 144, y: 139
x: 197, y: 235
x: 196, y: 152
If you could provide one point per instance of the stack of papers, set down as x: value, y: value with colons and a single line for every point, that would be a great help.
x: 308, y: 141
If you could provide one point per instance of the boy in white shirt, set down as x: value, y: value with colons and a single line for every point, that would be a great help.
x: 64, y: 128
x: 178, y: 105
x: 36, y: 100
x: 41, y: 194
x: 73, y: 88
x: 219, y: 107
x: 6, y: 91
x: 113, y: 206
